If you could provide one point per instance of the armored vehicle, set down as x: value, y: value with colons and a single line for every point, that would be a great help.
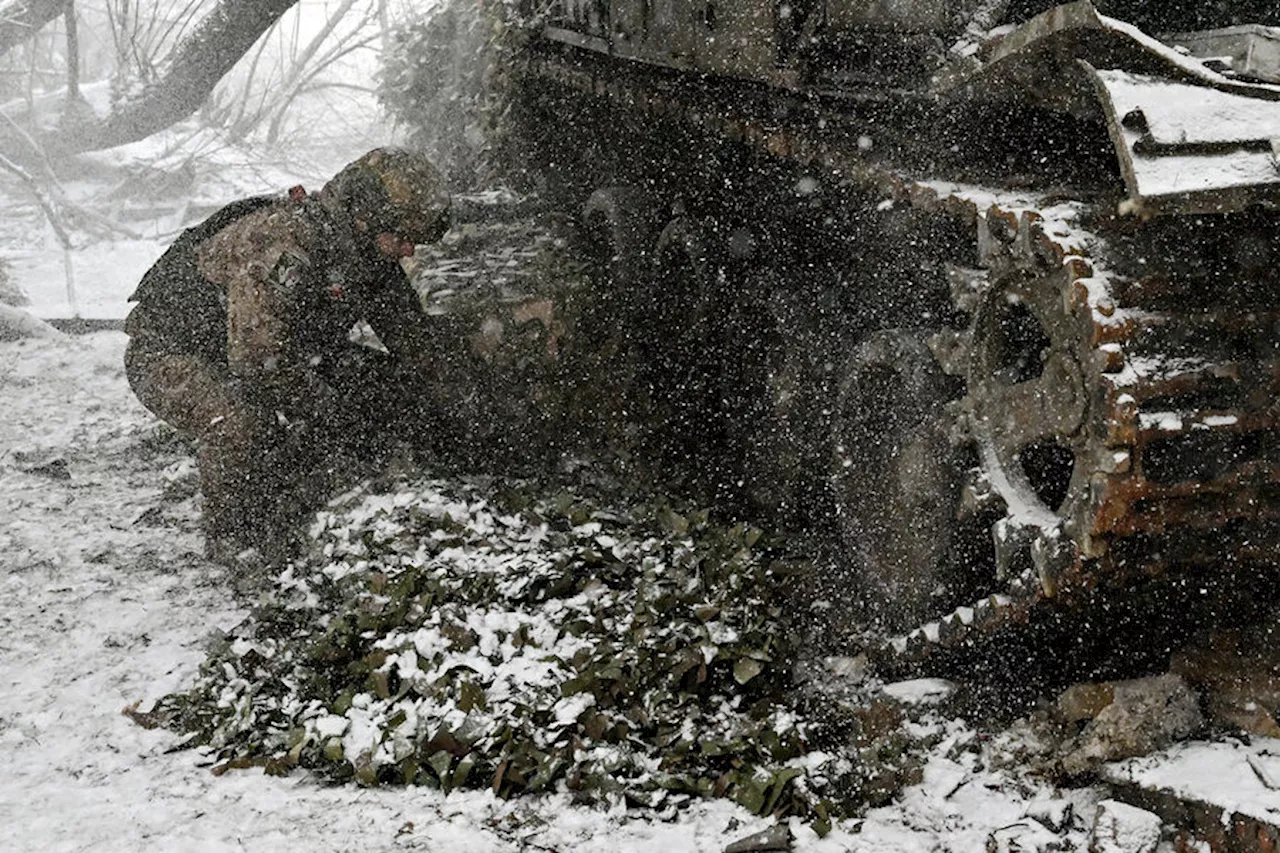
x: 992, y: 288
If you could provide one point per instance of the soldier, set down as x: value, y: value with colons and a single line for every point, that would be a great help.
x: 242, y: 339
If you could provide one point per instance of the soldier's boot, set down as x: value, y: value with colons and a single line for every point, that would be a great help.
x: 242, y: 490
x: 228, y: 514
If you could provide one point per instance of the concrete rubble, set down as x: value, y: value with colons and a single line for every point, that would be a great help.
x: 775, y: 838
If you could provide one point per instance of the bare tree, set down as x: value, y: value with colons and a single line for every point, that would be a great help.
x: 21, y: 19
x: 268, y: 91
x: 204, y: 55
x: 73, y: 52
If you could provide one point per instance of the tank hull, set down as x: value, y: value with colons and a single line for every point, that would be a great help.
x: 1074, y: 219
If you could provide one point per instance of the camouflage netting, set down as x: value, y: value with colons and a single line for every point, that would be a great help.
x: 525, y: 638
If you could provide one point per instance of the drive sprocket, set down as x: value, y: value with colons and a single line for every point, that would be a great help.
x: 1127, y: 426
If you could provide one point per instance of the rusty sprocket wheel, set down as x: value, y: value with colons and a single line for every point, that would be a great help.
x: 1030, y: 402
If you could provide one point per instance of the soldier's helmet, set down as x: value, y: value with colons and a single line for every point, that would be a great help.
x: 396, y: 191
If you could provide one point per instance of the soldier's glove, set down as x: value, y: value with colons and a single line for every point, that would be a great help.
x: 306, y: 407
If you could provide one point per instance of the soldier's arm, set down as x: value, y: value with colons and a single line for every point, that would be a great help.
x: 256, y: 331
x: 267, y: 276
x: 263, y: 305
x: 395, y: 313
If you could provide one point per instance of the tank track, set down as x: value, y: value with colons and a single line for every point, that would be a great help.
x: 1174, y: 419
x: 1178, y: 456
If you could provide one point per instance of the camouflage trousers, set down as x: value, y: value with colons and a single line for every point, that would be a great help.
x: 265, y: 467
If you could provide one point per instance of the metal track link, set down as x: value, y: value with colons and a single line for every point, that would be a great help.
x: 964, y: 626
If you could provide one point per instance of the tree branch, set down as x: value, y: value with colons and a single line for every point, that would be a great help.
x: 22, y: 19
x: 73, y: 53
x: 205, y: 55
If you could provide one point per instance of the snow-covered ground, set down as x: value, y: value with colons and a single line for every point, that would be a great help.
x: 105, y: 602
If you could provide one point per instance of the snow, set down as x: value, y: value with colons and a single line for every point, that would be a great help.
x: 1177, y: 114
x: 1165, y: 421
x: 1123, y: 828
x: 1156, y: 367
x: 1230, y: 775
x: 1059, y: 220
x: 1052, y: 812
x: 569, y: 709
x: 106, y: 602
x: 1183, y: 65
x: 944, y: 777
x: 920, y: 691
x: 981, y: 198
x: 113, y: 268
x: 1162, y: 421
x: 971, y: 811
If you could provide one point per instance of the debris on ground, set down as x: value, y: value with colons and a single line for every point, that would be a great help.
x: 1122, y: 828
x: 775, y: 838
x: 1142, y: 715
x: 1223, y: 795
x: 926, y: 692
x: 1025, y: 836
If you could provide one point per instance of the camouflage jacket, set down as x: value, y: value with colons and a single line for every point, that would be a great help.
x: 295, y: 283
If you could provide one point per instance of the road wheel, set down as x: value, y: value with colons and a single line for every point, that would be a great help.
x: 897, y: 476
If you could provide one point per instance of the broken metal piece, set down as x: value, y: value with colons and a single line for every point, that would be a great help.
x: 1054, y: 557
x: 1012, y: 542
x: 1249, y: 51
x: 775, y: 838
